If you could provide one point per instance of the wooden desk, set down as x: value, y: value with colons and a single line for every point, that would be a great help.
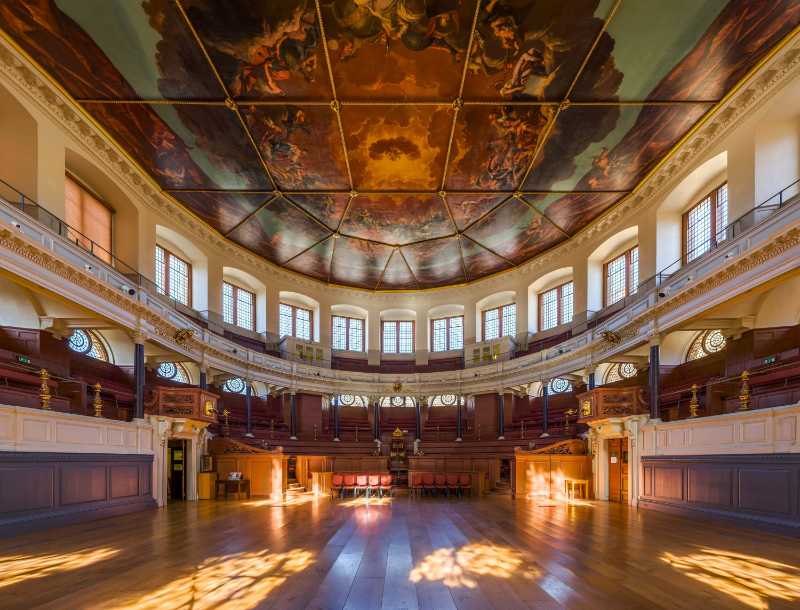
x: 236, y: 486
x: 570, y: 485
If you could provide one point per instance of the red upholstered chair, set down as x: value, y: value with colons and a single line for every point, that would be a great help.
x: 386, y: 484
x: 452, y: 483
x: 361, y: 483
x: 440, y: 482
x: 416, y: 483
x: 465, y: 482
x: 373, y: 484
x: 349, y: 484
x: 428, y: 482
x: 337, y: 483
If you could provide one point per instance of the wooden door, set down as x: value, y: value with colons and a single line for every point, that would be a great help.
x: 618, y: 470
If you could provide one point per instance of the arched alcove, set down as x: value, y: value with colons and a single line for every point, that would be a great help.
x: 183, y: 247
x: 297, y: 299
x: 611, y: 247
x: 496, y: 299
x: 546, y: 282
x: 354, y: 312
x: 18, y: 148
x: 251, y: 283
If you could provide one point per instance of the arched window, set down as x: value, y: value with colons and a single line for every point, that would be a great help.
x: 234, y: 385
x: 446, y: 400
x: 559, y: 385
x: 89, y: 343
x: 397, y: 401
x: 174, y: 371
x: 705, y: 343
x: 349, y: 400
x: 620, y: 370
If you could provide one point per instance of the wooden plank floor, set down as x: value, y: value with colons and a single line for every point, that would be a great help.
x: 435, y: 554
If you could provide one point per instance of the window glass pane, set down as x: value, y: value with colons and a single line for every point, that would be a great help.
x: 615, y: 280
x: 285, y: 320
x: 227, y: 303
x: 245, y: 302
x: 567, y: 291
x: 339, y: 332
x: 457, y: 332
x: 178, y: 271
x: 634, y: 258
x: 406, y: 337
x: 549, y: 304
x: 390, y: 337
x: 698, y: 230
x: 356, y: 337
x: 161, y: 278
x: 491, y: 324
x: 439, y: 340
x: 510, y: 320
x: 302, y: 324
x: 722, y: 212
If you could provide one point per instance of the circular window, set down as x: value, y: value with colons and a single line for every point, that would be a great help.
x: 80, y: 341
x: 234, y: 385
x: 559, y: 385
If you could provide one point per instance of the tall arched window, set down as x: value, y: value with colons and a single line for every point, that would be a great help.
x: 620, y: 370
x: 89, y: 343
x: 397, y: 401
x: 705, y: 343
x: 350, y: 400
x: 173, y: 371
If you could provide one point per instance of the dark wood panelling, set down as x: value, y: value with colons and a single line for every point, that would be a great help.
x: 43, y: 489
x: 763, y: 488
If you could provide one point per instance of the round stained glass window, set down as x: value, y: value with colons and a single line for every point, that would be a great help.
x: 713, y: 341
x: 80, y: 341
x: 167, y: 370
x: 628, y: 370
x: 235, y: 385
x: 559, y: 385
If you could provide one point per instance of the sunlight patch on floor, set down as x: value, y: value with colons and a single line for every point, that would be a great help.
x: 235, y: 582
x: 750, y: 580
x: 460, y: 567
x: 357, y: 502
x: 19, y: 568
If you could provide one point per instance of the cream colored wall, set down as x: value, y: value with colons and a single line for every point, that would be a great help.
x: 761, y: 157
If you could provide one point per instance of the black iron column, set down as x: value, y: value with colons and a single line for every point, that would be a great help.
x: 418, y: 419
x: 293, y: 416
x: 203, y: 380
x: 335, y: 407
x: 545, y: 408
x: 376, y: 419
x: 501, y: 416
x: 459, y: 416
x: 138, y: 379
x: 591, y: 381
x: 248, y: 406
x: 653, y: 376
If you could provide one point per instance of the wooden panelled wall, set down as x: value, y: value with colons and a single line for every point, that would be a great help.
x: 543, y: 475
x: 45, y: 489
x: 764, y: 488
x: 267, y: 472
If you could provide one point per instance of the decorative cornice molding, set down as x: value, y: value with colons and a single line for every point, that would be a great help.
x: 754, y: 91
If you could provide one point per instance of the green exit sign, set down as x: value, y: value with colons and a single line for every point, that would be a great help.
x: 770, y: 359
x: 23, y: 360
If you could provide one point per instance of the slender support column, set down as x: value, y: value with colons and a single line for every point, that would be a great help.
x: 591, y: 381
x: 501, y: 416
x: 653, y: 375
x: 293, y: 416
x: 248, y: 406
x: 203, y: 379
x: 376, y: 418
x: 545, y: 409
x: 336, y: 429
x: 138, y: 379
x: 418, y: 419
x: 459, y: 417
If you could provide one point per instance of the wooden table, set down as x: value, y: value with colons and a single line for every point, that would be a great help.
x: 570, y: 485
x: 236, y: 486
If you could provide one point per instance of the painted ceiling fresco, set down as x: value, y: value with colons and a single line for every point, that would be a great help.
x: 397, y: 144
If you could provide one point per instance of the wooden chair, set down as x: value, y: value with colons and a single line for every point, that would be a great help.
x: 416, y: 483
x: 361, y: 484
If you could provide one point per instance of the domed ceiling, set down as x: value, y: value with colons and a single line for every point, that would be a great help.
x: 397, y: 144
